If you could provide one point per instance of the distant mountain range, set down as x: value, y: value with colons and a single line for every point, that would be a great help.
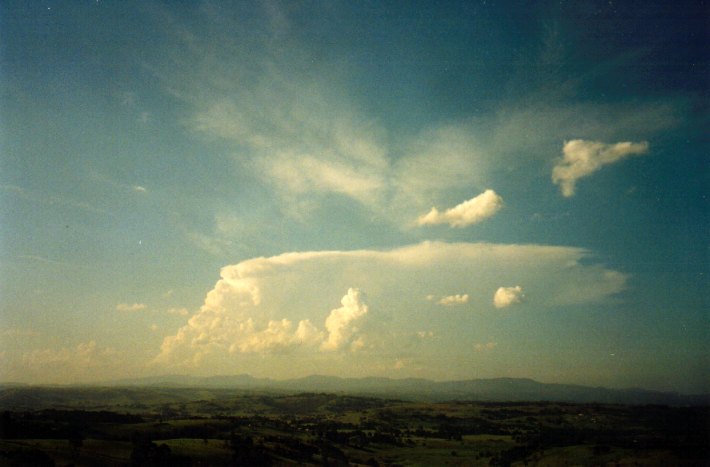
x: 494, y: 390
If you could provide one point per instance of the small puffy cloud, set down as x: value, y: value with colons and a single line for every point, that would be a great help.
x: 582, y: 158
x: 484, y: 347
x: 469, y: 212
x: 129, y: 307
x: 341, y: 323
x: 139, y: 189
x: 451, y: 300
x: 507, y: 296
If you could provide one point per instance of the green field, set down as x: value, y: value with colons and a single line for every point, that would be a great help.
x: 198, y: 427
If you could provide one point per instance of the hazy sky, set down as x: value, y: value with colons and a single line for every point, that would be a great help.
x: 447, y: 190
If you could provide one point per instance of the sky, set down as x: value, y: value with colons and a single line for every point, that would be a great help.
x: 445, y: 190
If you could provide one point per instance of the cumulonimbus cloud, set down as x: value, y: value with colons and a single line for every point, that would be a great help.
x: 582, y: 158
x: 469, y: 212
x: 507, y: 296
x: 266, y: 307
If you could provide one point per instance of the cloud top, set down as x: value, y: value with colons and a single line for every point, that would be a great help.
x: 467, y: 213
x: 582, y: 158
x: 507, y: 296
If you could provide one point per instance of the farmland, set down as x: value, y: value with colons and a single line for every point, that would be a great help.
x: 220, y: 427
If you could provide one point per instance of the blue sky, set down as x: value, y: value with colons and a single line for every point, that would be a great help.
x: 445, y: 190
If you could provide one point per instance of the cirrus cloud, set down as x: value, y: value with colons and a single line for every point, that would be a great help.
x: 293, y: 122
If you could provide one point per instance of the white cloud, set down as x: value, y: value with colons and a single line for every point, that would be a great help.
x: 437, y: 160
x: 270, y: 306
x: 451, y: 300
x: 139, y: 189
x: 301, y: 131
x: 298, y: 130
x: 469, y: 212
x: 129, y: 307
x: 301, y: 140
x: 507, y: 296
x: 276, y: 336
x: 238, y: 333
x: 341, y: 323
x: 583, y: 158
x: 303, y: 174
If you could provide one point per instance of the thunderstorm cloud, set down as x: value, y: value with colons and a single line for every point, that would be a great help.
x: 279, y: 305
